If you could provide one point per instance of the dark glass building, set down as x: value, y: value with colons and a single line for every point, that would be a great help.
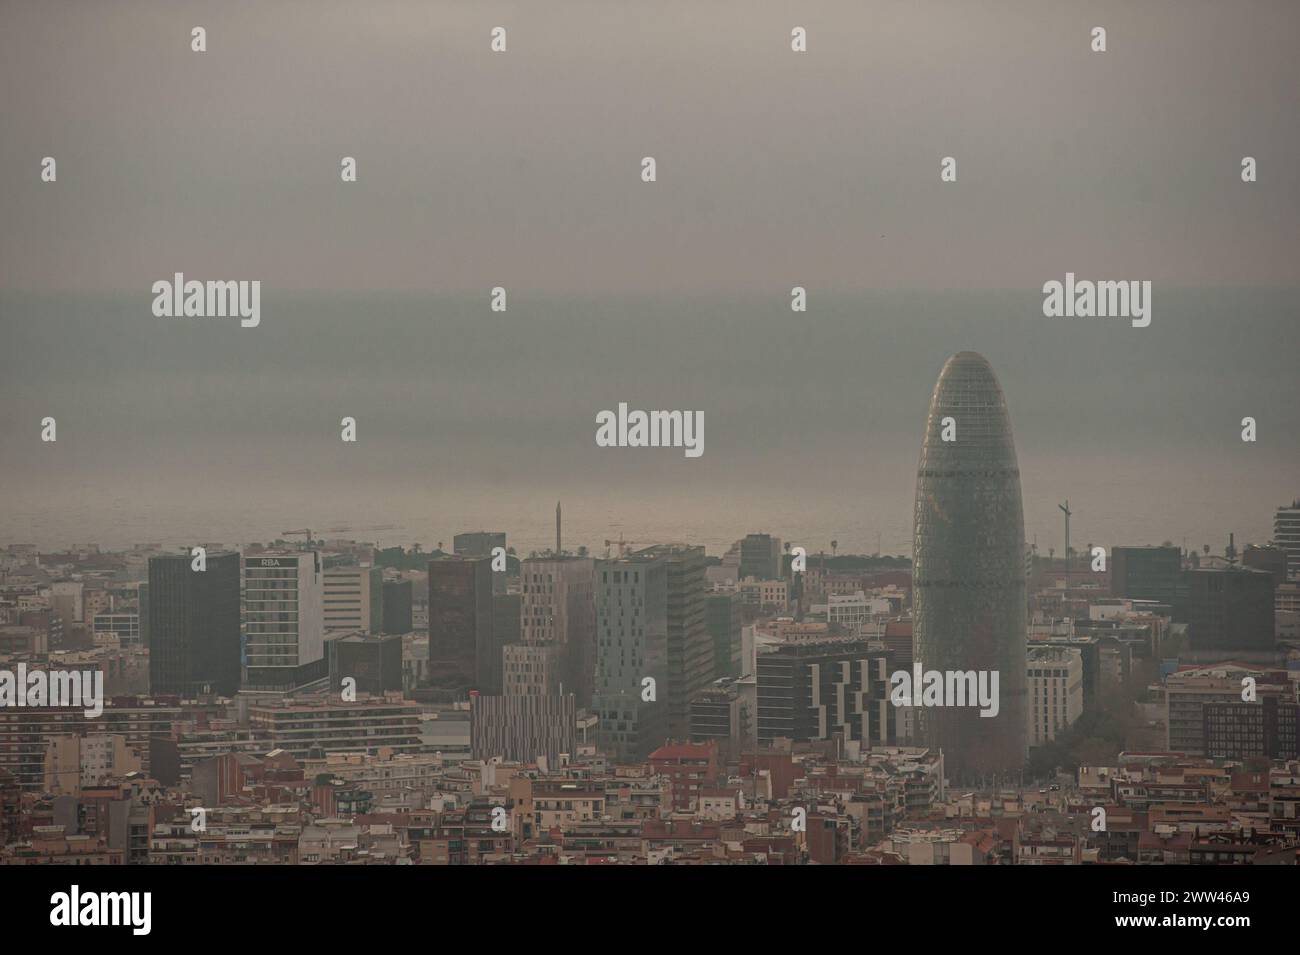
x: 397, y: 606
x: 690, y: 648
x: 373, y: 660
x: 506, y: 614
x: 722, y: 620
x: 460, y: 622
x: 1230, y: 610
x: 968, y: 578
x: 194, y: 630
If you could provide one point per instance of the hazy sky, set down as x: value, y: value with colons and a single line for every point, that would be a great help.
x: 523, y: 170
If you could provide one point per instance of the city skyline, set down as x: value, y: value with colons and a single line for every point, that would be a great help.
x: 357, y: 506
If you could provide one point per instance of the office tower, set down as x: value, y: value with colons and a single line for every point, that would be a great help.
x: 690, y: 648
x: 354, y: 599
x: 631, y: 648
x: 523, y: 728
x: 194, y: 625
x: 1055, y: 682
x: 1148, y: 573
x: 756, y: 555
x: 460, y: 622
x: 559, y: 608
x: 507, y: 609
x: 284, y: 621
x: 815, y: 688
x: 373, y: 660
x: 1270, y: 558
x: 968, y: 580
x: 481, y: 544
x: 722, y: 620
x: 142, y: 602
x: 397, y: 606
x: 1286, y: 535
x: 477, y: 543
x: 1230, y: 610
x: 533, y: 669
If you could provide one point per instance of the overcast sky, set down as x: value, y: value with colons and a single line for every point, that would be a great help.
x: 523, y: 170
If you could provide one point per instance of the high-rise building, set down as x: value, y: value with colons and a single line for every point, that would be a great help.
x: 1286, y: 535
x: 284, y: 620
x: 477, y: 543
x: 811, y: 689
x: 968, y: 580
x: 631, y: 649
x: 1266, y: 557
x: 194, y: 625
x: 460, y: 622
x: 722, y: 620
x: 1148, y: 573
x: 690, y: 648
x: 142, y: 601
x: 354, y: 599
x: 507, y: 610
x: 397, y: 606
x: 756, y: 555
x: 373, y: 660
x: 1230, y: 610
x: 533, y: 669
x: 559, y: 607
x: 1055, y: 691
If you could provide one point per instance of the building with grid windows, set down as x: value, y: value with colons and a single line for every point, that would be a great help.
x: 968, y: 580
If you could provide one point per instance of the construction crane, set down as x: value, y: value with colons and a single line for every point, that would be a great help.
x: 303, y: 532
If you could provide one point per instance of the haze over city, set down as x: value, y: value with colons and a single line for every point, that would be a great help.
x: 358, y: 507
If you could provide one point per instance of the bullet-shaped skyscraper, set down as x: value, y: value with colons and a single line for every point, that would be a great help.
x: 968, y: 570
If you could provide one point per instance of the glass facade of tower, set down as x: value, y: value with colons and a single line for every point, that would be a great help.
x: 968, y: 568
